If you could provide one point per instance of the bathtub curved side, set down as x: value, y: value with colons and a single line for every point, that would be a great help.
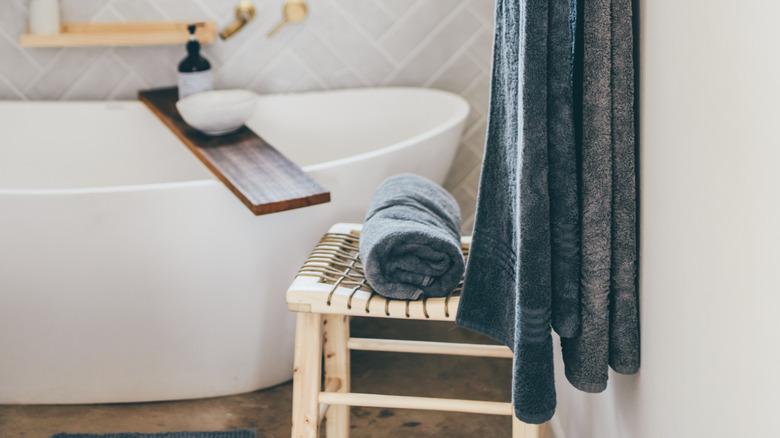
x: 138, y: 295
x: 163, y: 292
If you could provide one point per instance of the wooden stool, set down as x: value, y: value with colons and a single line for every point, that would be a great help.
x: 328, y: 290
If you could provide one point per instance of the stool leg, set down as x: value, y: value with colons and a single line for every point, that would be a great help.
x: 306, y: 376
x: 525, y: 430
x: 336, y: 330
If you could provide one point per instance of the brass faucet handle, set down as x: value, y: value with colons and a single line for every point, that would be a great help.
x: 245, y: 12
x: 294, y: 11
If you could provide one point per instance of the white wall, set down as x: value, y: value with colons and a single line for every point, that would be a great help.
x: 710, y: 255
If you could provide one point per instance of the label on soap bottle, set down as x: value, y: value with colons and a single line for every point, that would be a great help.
x: 196, y: 82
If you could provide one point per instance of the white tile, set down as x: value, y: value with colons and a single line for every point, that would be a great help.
x: 254, y: 54
x: 15, y: 67
x: 128, y: 88
x: 467, y: 202
x: 444, y: 43
x: 475, y: 139
x: 324, y: 63
x: 9, y: 92
x: 398, y: 7
x: 471, y: 183
x: 485, y: 10
x: 459, y: 74
x: 478, y: 94
x: 108, y: 15
x: 477, y: 113
x: 155, y: 65
x: 137, y: 10
x: 481, y: 48
x: 13, y: 19
x: 307, y: 82
x: 63, y: 72
x: 99, y: 81
x: 465, y: 161
x: 80, y: 11
x: 408, y: 33
x: 369, y: 16
x: 279, y: 77
x: 13, y: 23
x: 345, y: 54
x: 185, y: 10
x: 467, y: 226
x: 352, y: 46
x: 42, y: 55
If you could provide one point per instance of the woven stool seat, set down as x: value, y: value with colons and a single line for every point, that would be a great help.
x: 331, y: 281
x: 330, y: 288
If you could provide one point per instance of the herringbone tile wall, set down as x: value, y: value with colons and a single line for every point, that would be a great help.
x: 343, y: 43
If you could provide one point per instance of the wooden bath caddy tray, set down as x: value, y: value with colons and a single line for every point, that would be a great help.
x: 262, y: 178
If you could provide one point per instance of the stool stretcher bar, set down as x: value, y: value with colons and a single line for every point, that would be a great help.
x: 423, y: 403
x: 426, y: 347
x: 334, y: 386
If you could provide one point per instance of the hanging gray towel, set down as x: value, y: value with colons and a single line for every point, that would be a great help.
x: 563, y: 177
x: 624, y: 296
x: 410, y: 242
x: 547, y: 250
x: 610, y: 319
x: 508, y: 287
x: 586, y: 356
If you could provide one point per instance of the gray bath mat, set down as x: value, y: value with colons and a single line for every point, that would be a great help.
x: 246, y: 433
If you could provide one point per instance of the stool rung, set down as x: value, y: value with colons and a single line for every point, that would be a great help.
x: 427, y: 347
x: 423, y: 403
x: 333, y: 386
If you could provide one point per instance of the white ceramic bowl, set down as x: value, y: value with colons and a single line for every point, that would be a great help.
x: 217, y: 112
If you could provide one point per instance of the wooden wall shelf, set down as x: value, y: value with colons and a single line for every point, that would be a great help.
x: 121, y: 34
x: 262, y: 178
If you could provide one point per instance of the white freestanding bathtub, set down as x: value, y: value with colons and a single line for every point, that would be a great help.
x: 128, y: 273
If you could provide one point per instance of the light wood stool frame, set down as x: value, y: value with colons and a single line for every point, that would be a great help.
x: 328, y: 290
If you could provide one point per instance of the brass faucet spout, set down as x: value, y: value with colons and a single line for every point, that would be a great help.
x: 245, y: 12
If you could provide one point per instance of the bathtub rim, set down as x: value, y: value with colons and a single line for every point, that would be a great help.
x: 459, y: 116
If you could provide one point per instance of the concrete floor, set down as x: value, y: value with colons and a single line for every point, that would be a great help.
x: 269, y: 410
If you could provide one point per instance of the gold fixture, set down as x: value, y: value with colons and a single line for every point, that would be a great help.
x: 245, y: 12
x: 294, y: 11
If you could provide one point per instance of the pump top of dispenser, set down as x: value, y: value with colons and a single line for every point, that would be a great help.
x: 194, y: 70
x: 194, y: 62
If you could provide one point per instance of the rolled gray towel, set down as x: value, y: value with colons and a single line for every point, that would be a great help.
x: 410, y: 243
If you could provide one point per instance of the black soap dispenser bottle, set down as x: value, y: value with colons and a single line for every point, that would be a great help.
x: 194, y: 70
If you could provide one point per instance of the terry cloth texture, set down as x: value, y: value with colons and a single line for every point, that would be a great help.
x: 624, y: 295
x: 410, y: 242
x: 542, y: 236
x: 246, y: 433
x: 563, y: 186
x: 508, y: 286
x: 610, y: 312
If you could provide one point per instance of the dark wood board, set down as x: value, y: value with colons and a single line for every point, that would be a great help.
x: 262, y: 178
